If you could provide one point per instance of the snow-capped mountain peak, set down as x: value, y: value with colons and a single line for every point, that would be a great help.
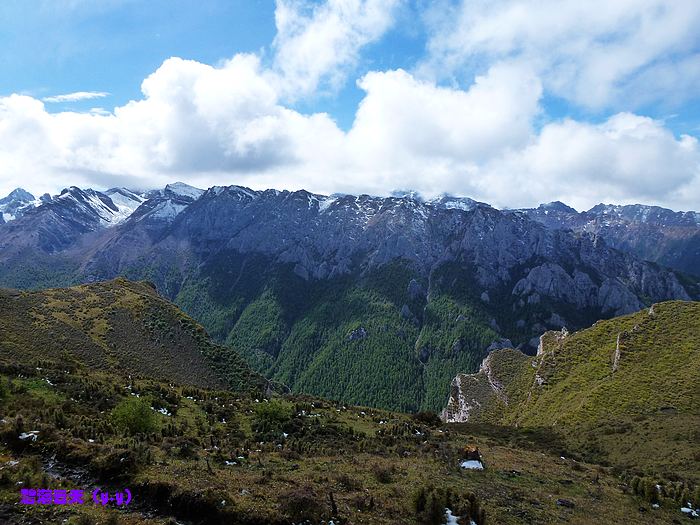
x: 15, y: 204
x: 451, y: 202
x: 17, y: 195
x: 126, y: 202
x: 184, y: 190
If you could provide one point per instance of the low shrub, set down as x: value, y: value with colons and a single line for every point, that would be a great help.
x: 430, y: 419
x: 383, y: 474
x: 135, y: 416
x: 270, y: 418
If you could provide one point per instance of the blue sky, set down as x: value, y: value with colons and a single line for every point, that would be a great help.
x: 49, y: 47
x: 111, y: 46
x: 511, y: 101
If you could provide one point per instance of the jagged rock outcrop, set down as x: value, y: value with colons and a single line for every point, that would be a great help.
x: 415, y: 290
x: 473, y: 396
x: 498, y: 345
x: 357, y: 334
x: 507, y: 374
x: 616, y: 355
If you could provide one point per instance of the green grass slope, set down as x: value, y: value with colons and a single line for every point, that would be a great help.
x: 623, y: 392
x: 120, y: 327
x: 81, y: 406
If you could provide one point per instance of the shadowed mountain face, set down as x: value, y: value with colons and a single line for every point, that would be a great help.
x: 377, y: 301
x: 655, y: 234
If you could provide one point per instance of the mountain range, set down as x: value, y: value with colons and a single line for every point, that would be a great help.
x: 372, y: 300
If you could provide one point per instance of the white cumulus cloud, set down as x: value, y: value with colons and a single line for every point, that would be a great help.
x: 596, y: 53
x: 626, y: 159
x: 318, y: 44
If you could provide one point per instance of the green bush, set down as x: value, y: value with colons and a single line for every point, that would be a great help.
x: 270, y: 418
x: 428, y: 418
x: 383, y: 474
x: 135, y: 416
x: 302, y: 504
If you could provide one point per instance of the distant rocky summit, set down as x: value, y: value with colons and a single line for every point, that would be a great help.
x: 652, y: 233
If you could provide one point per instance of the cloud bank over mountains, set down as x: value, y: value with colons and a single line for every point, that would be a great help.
x: 470, y: 118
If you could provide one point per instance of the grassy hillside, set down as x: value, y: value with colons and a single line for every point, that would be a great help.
x: 107, y: 385
x: 633, y: 404
x: 117, y: 327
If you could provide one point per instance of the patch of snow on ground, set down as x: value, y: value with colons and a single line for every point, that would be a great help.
x: 472, y: 464
x: 451, y: 518
x: 126, y: 204
x: 32, y: 434
x: 167, y: 210
x: 93, y: 202
x: 243, y: 191
x: 459, y: 205
x: 324, y: 204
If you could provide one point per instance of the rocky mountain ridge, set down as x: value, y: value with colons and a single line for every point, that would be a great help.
x: 652, y: 233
